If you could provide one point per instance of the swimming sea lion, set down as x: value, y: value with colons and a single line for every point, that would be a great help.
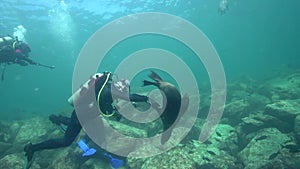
x: 172, y: 102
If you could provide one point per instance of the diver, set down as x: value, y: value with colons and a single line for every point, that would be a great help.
x: 102, y: 85
x: 13, y: 51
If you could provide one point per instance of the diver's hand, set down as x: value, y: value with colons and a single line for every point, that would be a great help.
x: 21, y: 63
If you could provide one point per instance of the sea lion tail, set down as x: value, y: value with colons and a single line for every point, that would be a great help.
x: 147, y: 83
x: 155, y: 76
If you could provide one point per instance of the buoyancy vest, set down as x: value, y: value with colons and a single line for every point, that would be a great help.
x: 97, y: 82
x: 6, y: 40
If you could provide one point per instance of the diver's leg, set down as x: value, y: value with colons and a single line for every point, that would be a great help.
x: 71, y: 133
x: 59, y: 119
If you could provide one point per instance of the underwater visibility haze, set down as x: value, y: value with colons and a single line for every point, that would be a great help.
x: 258, y: 46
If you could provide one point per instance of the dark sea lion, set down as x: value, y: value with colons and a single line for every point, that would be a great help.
x: 172, y: 102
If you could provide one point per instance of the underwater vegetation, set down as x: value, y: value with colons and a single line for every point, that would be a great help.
x: 260, y: 129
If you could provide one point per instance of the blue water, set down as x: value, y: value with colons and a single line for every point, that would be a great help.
x: 254, y: 38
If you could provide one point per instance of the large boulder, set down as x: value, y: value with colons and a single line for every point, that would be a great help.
x: 173, y: 159
x: 282, y: 160
x: 210, y: 156
x: 64, y: 159
x: 285, y: 111
x: 216, y: 153
x: 297, y: 128
x: 17, y: 133
x: 194, y: 132
x: 6, y: 134
x: 235, y: 110
x: 34, y: 130
x: 224, y: 138
x: 96, y: 164
x: 242, y: 105
x: 4, y: 147
x: 265, y: 146
x: 282, y: 88
x: 256, y: 121
x: 257, y: 101
x: 15, y: 161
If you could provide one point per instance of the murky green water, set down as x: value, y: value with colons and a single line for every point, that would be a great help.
x: 253, y: 38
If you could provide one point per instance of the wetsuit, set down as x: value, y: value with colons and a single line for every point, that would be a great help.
x: 10, y: 55
x: 73, y: 125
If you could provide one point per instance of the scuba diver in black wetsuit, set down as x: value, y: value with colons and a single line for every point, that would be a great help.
x: 103, y: 89
x: 13, y: 51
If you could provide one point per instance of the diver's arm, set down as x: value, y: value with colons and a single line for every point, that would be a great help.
x: 138, y: 98
x: 29, y: 61
x: 132, y: 97
x: 24, y: 60
x: 135, y: 98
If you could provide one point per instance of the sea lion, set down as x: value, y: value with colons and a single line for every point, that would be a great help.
x: 172, y: 102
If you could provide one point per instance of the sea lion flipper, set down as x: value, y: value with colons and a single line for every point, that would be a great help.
x: 147, y: 83
x: 155, y: 76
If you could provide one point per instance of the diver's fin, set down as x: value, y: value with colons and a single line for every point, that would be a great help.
x: 27, y: 164
x: 155, y: 76
x: 28, y: 155
x: 147, y: 83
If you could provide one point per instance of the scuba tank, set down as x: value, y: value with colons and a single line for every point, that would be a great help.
x: 83, y: 90
x: 7, y: 40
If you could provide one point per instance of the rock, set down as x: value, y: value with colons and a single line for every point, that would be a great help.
x: 172, y: 159
x: 12, y: 161
x: 262, y: 148
x: 96, y: 164
x: 257, y: 121
x: 33, y: 130
x: 142, y: 129
x: 241, y: 106
x: 214, y: 153
x: 282, y: 88
x: 236, y: 110
x: 14, y: 128
x: 15, y: 161
x: 195, y: 131
x: 284, y: 109
x: 224, y: 138
x: 209, y: 156
x: 4, y: 147
x: 128, y: 130
x: 65, y: 159
x: 6, y: 135
x: 257, y: 101
x: 137, y: 158
x: 297, y: 128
